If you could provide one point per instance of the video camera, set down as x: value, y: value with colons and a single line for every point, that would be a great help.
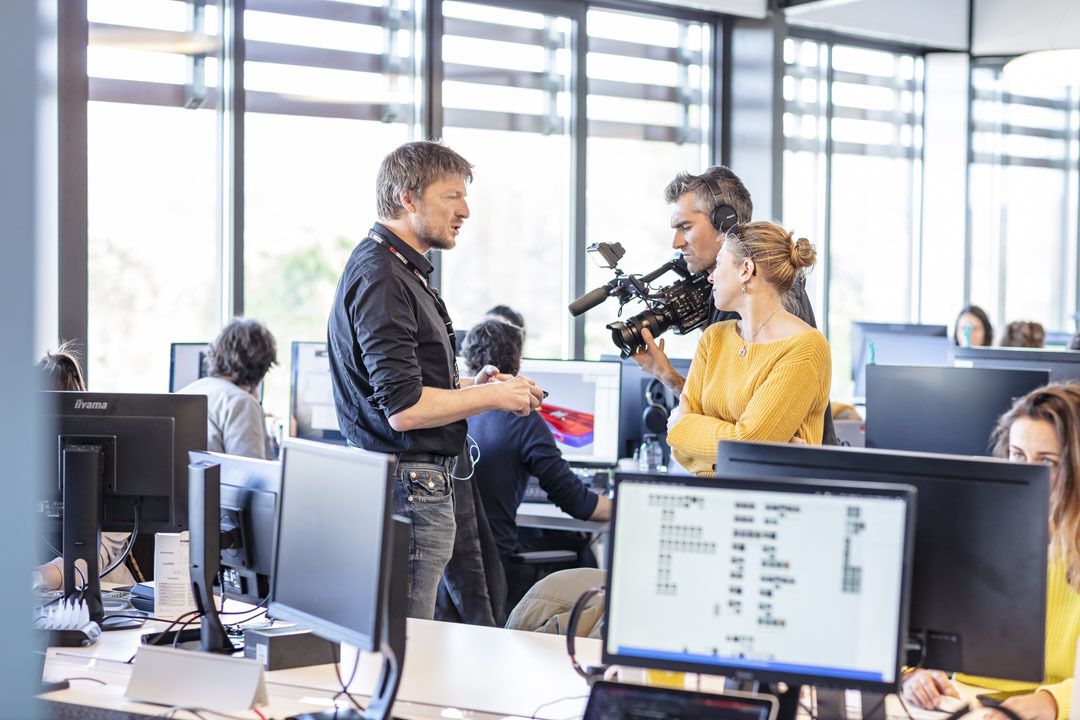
x: 683, y: 305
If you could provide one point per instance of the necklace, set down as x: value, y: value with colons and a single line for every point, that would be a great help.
x: 753, y: 335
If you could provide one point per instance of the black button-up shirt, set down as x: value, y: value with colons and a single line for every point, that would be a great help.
x: 387, y: 341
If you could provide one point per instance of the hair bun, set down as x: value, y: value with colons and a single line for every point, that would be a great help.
x: 803, y: 254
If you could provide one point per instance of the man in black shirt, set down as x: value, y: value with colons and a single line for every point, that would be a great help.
x: 693, y: 199
x: 392, y: 363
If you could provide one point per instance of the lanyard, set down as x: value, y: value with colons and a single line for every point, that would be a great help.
x: 440, y: 306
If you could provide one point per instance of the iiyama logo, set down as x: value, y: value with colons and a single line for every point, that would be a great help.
x: 92, y: 405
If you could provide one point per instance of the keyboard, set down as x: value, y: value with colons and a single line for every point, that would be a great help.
x: 594, y: 478
x: 52, y: 710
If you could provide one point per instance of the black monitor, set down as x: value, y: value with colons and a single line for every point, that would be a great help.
x: 341, y: 561
x: 893, y: 349
x: 581, y: 408
x: 941, y: 409
x: 641, y: 392
x: 119, y: 459
x: 859, y: 330
x: 978, y: 599
x: 311, y: 395
x: 249, y: 494
x: 782, y: 580
x: 1062, y: 364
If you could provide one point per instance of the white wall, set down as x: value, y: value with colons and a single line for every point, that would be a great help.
x: 934, y: 23
x: 1010, y: 27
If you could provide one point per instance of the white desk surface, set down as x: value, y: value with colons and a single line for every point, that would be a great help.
x: 480, y: 672
x: 550, y: 517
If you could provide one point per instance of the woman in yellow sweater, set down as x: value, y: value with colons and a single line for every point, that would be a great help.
x: 765, y: 377
x: 1043, y: 426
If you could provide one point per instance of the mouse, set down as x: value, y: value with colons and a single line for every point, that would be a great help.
x: 950, y: 704
x: 120, y: 622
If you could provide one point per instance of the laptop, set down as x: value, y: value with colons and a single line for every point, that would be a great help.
x: 618, y: 701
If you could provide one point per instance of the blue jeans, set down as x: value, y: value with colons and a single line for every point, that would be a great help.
x: 424, y: 495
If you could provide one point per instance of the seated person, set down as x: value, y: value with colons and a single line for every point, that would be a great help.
x: 1023, y: 334
x: 61, y: 371
x: 765, y: 377
x: 237, y: 362
x: 507, y: 314
x: 972, y: 328
x: 1044, y: 427
x: 1074, y: 343
x: 512, y: 448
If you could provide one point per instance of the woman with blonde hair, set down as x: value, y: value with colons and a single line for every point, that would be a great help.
x: 1041, y: 427
x: 764, y: 377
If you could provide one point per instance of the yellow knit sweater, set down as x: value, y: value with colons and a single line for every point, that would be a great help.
x: 1062, y: 631
x: 774, y: 392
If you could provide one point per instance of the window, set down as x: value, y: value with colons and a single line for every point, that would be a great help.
x: 1023, y: 200
x: 853, y: 113
x: 649, y: 80
x: 507, y: 109
x: 329, y: 92
x: 152, y: 176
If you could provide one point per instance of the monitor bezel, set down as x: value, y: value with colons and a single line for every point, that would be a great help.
x: 797, y: 485
x: 594, y: 461
x: 325, y: 628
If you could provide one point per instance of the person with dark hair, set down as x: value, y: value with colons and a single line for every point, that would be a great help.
x: 238, y: 360
x: 1023, y: 334
x: 1041, y: 427
x: 392, y: 355
x: 513, y: 448
x: 972, y: 328
x: 693, y: 199
x: 1074, y: 343
x: 62, y: 371
x: 508, y: 314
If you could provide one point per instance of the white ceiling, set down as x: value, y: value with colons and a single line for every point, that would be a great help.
x: 1010, y: 27
x: 933, y: 23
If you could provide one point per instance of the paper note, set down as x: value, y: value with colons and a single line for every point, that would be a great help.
x: 172, y: 576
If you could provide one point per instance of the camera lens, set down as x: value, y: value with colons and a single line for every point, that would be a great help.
x: 627, y: 335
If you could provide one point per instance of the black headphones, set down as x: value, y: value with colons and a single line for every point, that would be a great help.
x: 723, y: 217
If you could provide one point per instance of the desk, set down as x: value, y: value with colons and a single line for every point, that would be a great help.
x: 482, y: 673
x: 547, y: 516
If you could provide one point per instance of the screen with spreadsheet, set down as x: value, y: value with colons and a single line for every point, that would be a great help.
x: 582, y: 407
x: 788, y: 580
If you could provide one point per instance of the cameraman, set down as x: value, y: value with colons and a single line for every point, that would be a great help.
x: 692, y: 199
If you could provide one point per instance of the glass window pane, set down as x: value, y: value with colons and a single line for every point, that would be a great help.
x: 514, y: 248
x: 309, y: 182
x: 626, y: 200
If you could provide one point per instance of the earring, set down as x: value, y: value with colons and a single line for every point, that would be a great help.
x: 743, y: 288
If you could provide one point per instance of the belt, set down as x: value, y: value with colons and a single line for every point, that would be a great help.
x: 425, y: 458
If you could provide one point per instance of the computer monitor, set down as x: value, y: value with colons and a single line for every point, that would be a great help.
x: 978, y: 598
x: 311, y: 395
x: 634, y: 402
x: 582, y: 407
x: 804, y: 582
x: 1062, y: 364
x: 941, y: 409
x: 860, y: 329
x: 893, y: 349
x: 341, y: 562
x: 249, y: 494
x: 187, y: 363
x: 121, y: 465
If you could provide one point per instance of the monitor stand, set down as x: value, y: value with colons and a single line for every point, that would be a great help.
x: 204, y: 521
x: 82, y: 468
x: 831, y: 703
x: 392, y: 645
